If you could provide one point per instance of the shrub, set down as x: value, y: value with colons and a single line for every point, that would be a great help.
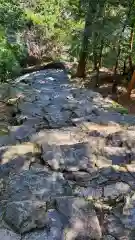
x: 9, y: 58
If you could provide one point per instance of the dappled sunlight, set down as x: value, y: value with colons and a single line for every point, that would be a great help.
x: 13, y: 152
x: 61, y: 136
x: 106, y: 91
x: 67, y: 122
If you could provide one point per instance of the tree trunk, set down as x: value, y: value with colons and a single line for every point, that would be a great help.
x: 114, y: 87
x: 124, y: 68
x: 131, y: 47
x: 131, y: 39
x: 87, y: 33
x: 83, y: 58
x: 100, y: 53
x: 95, y: 56
x: 99, y: 45
x: 131, y: 85
x: 115, y: 83
x: 94, y: 60
x: 97, y: 75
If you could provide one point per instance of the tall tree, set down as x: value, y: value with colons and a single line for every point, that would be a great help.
x: 92, y: 8
x: 115, y: 82
x: 131, y: 39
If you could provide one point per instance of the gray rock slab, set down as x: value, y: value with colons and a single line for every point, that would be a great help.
x: 35, y: 185
x: 91, y: 192
x: 8, y: 139
x: 70, y: 157
x: 36, y: 235
x: 116, y: 228
x: 84, y: 108
x: 53, y: 232
x: 22, y: 132
x: 116, y: 190
x: 128, y: 217
x: 62, y: 136
x: 24, y: 216
x: 83, y: 222
x: 81, y: 178
x: 129, y: 119
x: 8, y: 235
x: 16, y: 165
x: 121, y: 138
x: 109, y: 237
x: 16, y: 158
x: 117, y: 174
x: 82, y: 93
x: 56, y: 117
x: 30, y: 109
x: 117, y: 155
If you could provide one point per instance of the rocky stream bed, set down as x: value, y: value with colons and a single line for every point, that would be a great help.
x: 67, y: 162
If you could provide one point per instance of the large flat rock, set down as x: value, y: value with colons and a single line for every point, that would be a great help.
x: 30, y: 184
x: 8, y: 235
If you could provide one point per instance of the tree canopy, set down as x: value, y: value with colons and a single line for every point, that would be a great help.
x: 93, y: 33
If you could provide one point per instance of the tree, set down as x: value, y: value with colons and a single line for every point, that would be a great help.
x: 92, y: 9
x: 115, y: 83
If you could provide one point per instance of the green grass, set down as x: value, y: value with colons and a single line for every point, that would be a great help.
x: 118, y: 108
x: 3, y: 131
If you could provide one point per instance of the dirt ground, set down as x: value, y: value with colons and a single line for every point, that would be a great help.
x: 122, y: 98
x: 106, y: 89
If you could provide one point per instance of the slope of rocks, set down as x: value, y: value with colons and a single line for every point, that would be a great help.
x: 67, y: 162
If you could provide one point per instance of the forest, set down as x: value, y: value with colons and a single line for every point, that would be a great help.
x: 88, y: 34
x: 67, y: 133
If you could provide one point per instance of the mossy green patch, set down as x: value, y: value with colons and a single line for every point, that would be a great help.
x: 4, y: 131
x: 12, y: 101
x: 118, y: 108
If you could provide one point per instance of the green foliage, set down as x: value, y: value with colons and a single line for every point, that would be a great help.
x: 19, y: 51
x: 59, y: 24
x: 12, y: 20
x: 118, y: 108
x: 107, y: 30
x: 9, y: 65
x: 36, y: 18
x: 11, y: 14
